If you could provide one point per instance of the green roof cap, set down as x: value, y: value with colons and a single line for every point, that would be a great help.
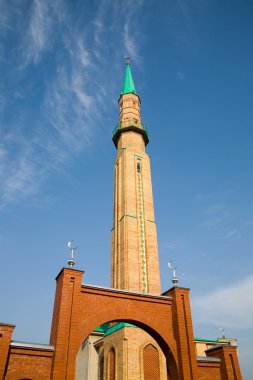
x: 103, y: 328
x: 128, y: 87
x: 117, y: 327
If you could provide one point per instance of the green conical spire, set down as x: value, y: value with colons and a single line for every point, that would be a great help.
x: 128, y: 86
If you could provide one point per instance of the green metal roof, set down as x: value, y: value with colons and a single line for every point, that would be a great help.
x: 205, y: 340
x: 118, y: 326
x: 103, y: 328
x: 128, y: 87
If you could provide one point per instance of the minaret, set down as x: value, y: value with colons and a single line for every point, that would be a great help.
x: 134, y: 262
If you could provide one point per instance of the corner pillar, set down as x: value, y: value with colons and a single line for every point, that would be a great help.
x: 229, y: 367
x: 183, y: 333
x: 64, y: 323
x: 6, y: 331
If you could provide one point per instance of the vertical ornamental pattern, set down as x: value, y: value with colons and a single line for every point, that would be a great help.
x: 142, y: 239
x: 151, y: 363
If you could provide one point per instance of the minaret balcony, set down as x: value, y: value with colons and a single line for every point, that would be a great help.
x: 130, y: 125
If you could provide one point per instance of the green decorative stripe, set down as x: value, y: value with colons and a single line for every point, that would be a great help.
x: 152, y: 221
x: 126, y: 147
x: 138, y: 155
x: 143, y: 263
x: 131, y: 216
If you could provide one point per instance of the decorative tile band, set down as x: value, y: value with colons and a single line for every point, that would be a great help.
x: 129, y: 215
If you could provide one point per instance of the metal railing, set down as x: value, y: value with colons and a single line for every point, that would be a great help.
x: 129, y: 123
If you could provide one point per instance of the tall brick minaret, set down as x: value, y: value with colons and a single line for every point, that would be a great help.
x: 134, y: 262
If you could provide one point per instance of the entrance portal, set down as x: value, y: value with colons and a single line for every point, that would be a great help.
x: 120, y: 350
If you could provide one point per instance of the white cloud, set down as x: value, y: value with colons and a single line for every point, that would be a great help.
x: 131, y: 32
x: 214, y: 209
x: 72, y: 96
x: 212, y: 222
x: 233, y: 234
x: 217, y: 215
x: 41, y: 31
x: 17, y: 174
x: 231, y: 306
x: 37, y: 35
x: 130, y: 43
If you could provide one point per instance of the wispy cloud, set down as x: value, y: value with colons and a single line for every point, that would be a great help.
x: 69, y: 108
x: 17, y: 173
x: 174, y: 245
x: 36, y: 38
x: 69, y: 99
x: 130, y: 44
x: 233, y: 234
x: 41, y: 30
x: 226, y: 307
x: 216, y: 214
x: 132, y: 32
x: 212, y: 222
x: 219, y: 214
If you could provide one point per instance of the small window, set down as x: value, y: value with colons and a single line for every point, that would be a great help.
x: 111, y: 364
x: 138, y: 167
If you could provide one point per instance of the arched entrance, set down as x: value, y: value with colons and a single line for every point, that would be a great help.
x: 126, y: 343
x: 79, y: 309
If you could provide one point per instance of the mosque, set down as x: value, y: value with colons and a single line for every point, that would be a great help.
x: 130, y: 331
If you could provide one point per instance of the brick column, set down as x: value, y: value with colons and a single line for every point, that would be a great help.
x: 6, y: 331
x: 183, y: 333
x: 64, y: 326
x: 229, y: 368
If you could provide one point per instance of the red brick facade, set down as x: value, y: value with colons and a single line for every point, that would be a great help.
x: 23, y: 360
x: 80, y: 308
x: 29, y: 363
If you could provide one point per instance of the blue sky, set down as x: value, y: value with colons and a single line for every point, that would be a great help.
x: 62, y: 69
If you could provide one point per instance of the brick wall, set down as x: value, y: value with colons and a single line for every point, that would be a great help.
x: 6, y: 331
x: 28, y: 362
x: 183, y: 333
x: 79, y: 309
x: 229, y: 368
x: 129, y: 343
x: 209, y: 370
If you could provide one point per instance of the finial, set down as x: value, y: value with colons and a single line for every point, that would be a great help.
x: 127, y: 59
x: 71, y: 261
x: 222, y: 331
x: 174, y: 279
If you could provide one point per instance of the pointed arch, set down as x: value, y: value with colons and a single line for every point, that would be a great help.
x: 111, y: 366
x: 151, y: 362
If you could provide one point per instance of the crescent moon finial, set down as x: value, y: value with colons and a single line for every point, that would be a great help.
x: 71, y: 261
x: 173, y: 268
